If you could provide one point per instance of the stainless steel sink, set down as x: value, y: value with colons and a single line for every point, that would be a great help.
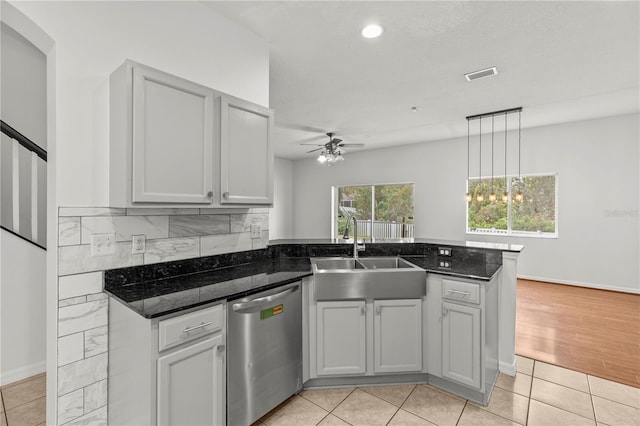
x: 385, y: 263
x: 339, y: 263
x: 340, y: 278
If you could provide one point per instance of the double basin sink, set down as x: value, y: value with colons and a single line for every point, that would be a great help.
x: 340, y: 278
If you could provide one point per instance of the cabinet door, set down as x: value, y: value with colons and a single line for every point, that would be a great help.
x: 246, y: 169
x: 341, y: 340
x: 172, y: 139
x: 461, y: 344
x: 191, y: 385
x: 397, y: 335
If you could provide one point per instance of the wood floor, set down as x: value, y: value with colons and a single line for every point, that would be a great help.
x: 592, y: 331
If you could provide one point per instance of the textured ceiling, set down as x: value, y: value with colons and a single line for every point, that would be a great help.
x: 560, y: 61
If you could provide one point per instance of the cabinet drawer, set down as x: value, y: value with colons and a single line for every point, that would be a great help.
x: 459, y: 290
x: 185, y: 328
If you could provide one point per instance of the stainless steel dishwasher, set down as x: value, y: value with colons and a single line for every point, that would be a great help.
x: 264, y: 354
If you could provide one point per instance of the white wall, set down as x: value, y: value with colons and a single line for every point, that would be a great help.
x: 22, y: 310
x: 597, y: 162
x: 93, y: 38
x: 281, y: 217
x: 22, y: 265
x: 24, y: 84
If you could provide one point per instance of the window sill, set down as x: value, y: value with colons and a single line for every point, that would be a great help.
x: 542, y: 235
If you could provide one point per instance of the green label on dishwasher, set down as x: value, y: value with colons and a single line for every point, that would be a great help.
x: 268, y: 313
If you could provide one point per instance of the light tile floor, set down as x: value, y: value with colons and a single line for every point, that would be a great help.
x: 540, y: 394
x: 23, y: 403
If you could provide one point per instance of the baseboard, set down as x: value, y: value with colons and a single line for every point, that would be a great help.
x: 507, y: 368
x: 581, y: 284
x: 22, y: 373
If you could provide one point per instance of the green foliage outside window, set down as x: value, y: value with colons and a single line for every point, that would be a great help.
x: 392, y: 203
x: 536, y: 213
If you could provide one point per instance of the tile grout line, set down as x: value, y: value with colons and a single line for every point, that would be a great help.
x: 4, y: 411
x: 533, y: 368
x: 462, y: 412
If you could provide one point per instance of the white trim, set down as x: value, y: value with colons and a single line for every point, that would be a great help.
x: 581, y: 284
x: 507, y: 368
x: 15, y: 185
x: 22, y: 372
x: 34, y: 197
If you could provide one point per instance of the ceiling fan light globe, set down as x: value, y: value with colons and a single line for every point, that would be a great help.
x: 372, y: 31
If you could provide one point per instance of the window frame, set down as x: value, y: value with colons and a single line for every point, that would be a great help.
x: 335, y: 202
x: 509, y: 232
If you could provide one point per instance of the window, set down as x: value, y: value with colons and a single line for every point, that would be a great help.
x: 383, y: 211
x: 535, y: 215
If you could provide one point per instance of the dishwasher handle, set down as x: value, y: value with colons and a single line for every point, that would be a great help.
x: 243, y: 306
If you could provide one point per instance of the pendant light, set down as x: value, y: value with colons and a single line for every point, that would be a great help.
x: 505, y: 194
x: 492, y: 195
x: 519, y: 194
x: 468, y: 195
x: 480, y: 196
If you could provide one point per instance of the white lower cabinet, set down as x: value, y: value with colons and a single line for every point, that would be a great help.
x: 461, y: 343
x: 167, y: 371
x: 191, y: 385
x: 397, y: 336
x: 462, y: 330
x: 341, y: 338
x: 349, y: 332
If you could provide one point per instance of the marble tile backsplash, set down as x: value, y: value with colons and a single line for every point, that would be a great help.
x: 171, y: 234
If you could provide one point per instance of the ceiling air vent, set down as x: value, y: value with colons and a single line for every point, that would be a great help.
x: 482, y: 73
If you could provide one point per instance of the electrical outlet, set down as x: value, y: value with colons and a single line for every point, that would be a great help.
x: 138, y: 243
x: 103, y: 244
x: 445, y: 251
x: 445, y: 264
x: 256, y: 231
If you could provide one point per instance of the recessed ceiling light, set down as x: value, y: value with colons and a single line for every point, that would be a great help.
x: 482, y: 73
x: 372, y: 31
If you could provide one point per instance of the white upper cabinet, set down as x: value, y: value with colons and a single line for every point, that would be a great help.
x: 172, y: 139
x: 167, y: 135
x: 246, y: 150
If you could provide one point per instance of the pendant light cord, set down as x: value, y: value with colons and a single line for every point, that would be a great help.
x: 519, y: 156
x: 505, y: 152
x: 480, y: 156
x: 492, y: 123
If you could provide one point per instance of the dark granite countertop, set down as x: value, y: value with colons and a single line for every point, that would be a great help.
x: 165, y: 288
x: 164, y: 296
x: 474, y: 270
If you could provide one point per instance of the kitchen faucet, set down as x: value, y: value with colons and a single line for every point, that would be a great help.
x: 356, y: 247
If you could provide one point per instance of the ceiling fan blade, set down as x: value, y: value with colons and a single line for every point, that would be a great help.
x: 311, y: 143
x: 353, y: 145
x: 314, y: 150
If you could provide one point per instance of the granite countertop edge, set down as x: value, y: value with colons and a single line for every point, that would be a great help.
x: 161, y: 297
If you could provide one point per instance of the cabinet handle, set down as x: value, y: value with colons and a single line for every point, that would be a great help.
x: 363, y: 310
x: 221, y: 348
x: 225, y: 195
x: 196, y: 327
x: 210, y: 194
x: 445, y: 311
x: 378, y: 310
x: 463, y: 293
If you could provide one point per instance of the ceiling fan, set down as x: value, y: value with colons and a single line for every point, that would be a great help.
x: 332, y: 151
